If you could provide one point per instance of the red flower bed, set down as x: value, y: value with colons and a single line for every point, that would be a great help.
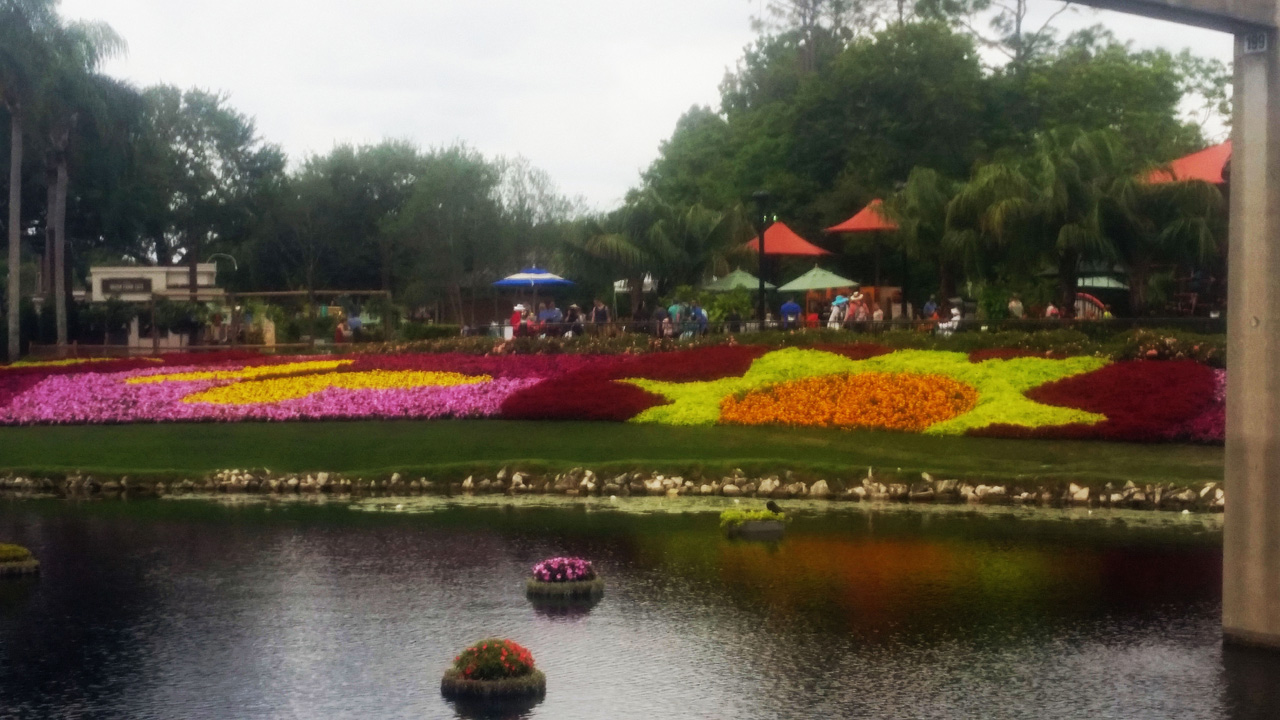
x: 1144, y: 401
x: 695, y: 365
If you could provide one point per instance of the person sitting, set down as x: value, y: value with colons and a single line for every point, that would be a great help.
x: 791, y: 311
x: 947, y: 327
x: 1052, y: 312
x: 1016, y: 311
x: 574, y: 320
x: 930, y: 309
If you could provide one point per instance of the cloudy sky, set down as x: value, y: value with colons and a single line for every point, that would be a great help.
x: 585, y: 89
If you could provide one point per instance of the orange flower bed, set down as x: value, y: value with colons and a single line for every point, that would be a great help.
x: 891, y: 401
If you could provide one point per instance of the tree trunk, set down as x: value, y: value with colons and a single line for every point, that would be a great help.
x: 193, y: 263
x: 1138, y: 275
x: 636, y: 285
x: 15, y: 222
x: 50, y: 234
x: 947, y: 284
x: 1068, y: 268
x: 60, y: 252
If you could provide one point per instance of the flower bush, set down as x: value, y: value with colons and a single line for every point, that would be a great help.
x: 13, y: 553
x: 494, y: 659
x: 563, y: 570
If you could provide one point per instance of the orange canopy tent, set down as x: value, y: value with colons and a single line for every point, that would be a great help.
x: 782, y: 240
x: 869, y: 219
x: 1208, y: 165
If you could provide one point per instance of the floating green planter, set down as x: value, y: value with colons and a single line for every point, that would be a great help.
x: 493, y: 669
x: 17, y: 560
x: 753, y: 524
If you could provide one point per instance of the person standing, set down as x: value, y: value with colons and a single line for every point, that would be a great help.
x: 791, y: 311
x: 599, y: 315
x: 836, y: 317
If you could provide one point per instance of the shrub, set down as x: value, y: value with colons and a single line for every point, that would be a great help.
x: 494, y: 659
x: 13, y: 553
x: 413, y: 331
x: 733, y: 517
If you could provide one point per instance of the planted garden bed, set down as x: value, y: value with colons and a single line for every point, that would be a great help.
x: 493, y: 668
x: 566, y: 578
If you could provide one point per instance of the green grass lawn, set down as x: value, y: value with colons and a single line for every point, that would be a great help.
x: 452, y: 447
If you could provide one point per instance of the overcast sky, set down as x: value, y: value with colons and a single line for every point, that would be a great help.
x: 586, y: 89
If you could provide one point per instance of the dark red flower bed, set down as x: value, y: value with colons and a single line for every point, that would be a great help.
x: 1144, y: 401
x: 855, y: 351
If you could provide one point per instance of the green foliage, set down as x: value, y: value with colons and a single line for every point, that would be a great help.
x: 734, y: 517
x: 180, y: 316
x: 414, y: 331
x: 13, y: 553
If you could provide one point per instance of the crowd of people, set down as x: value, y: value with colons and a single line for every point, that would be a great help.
x: 549, y: 320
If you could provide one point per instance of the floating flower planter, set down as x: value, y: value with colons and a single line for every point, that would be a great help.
x: 753, y: 524
x: 493, y: 669
x: 564, y: 578
x: 17, y: 560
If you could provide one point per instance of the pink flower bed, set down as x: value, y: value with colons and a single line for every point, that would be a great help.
x: 108, y: 398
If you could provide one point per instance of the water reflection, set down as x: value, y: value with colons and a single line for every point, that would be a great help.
x: 185, y: 609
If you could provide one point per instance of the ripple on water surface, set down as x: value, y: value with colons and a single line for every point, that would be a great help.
x: 193, y: 609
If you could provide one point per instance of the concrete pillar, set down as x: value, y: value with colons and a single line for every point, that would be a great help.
x: 1251, y: 552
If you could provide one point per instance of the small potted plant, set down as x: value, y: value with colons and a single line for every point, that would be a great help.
x: 564, y: 578
x: 17, y: 560
x: 759, y: 524
x: 493, y: 669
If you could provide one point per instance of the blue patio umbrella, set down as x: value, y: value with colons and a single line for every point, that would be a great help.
x: 532, y: 277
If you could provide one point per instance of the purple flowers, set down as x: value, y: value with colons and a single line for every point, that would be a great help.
x: 564, y: 569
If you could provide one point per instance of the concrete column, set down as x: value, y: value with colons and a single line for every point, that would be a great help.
x: 1251, y: 553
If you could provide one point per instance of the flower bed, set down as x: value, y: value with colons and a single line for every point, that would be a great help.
x: 1016, y: 392
x: 493, y: 668
x: 564, y: 577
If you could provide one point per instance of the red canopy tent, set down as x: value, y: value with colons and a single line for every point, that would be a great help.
x: 782, y: 240
x: 869, y: 219
x: 1208, y: 165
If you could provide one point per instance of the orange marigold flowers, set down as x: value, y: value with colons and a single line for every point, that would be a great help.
x: 892, y: 401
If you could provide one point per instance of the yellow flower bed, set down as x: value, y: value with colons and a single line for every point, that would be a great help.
x: 245, y: 373
x: 893, y: 401
x: 271, y: 390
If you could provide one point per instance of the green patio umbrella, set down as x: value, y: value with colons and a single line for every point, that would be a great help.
x: 734, y: 280
x: 818, y: 279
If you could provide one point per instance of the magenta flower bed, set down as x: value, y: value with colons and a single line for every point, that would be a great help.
x: 564, y: 569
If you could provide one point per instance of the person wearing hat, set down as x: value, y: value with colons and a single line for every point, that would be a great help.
x: 837, y: 312
x: 518, y: 325
x: 573, y: 319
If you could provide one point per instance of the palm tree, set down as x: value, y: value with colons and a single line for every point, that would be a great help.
x: 1047, y: 207
x: 1173, y: 223
x: 920, y: 210
x: 24, y: 29
x: 676, y: 245
x: 72, y: 89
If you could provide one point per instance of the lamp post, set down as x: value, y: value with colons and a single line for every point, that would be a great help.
x: 762, y: 200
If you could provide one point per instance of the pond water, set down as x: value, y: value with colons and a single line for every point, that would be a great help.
x: 260, y: 609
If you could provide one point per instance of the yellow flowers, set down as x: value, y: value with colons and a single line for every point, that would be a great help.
x: 271, y: 390
x: 892, y: 401
x: 244, y: 373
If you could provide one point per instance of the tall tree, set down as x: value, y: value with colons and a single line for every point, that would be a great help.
x: 205, y: 168
x: 920, y: 210
x: 73, y: 90
x: 25, y: 26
